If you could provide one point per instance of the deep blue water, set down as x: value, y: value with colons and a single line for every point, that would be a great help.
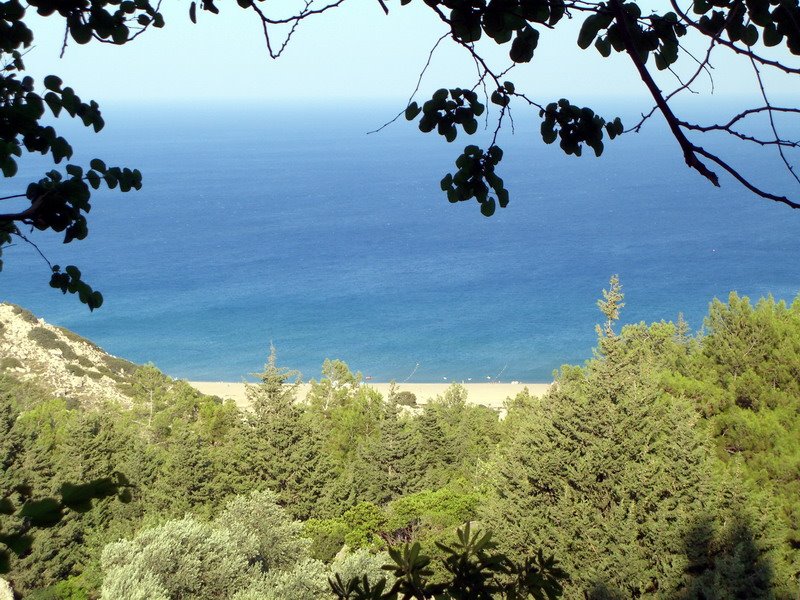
x: 268, y: 224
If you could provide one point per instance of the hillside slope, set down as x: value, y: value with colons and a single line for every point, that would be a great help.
x: 68, y: 365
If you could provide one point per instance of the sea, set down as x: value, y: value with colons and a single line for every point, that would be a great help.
x: 294, y: 226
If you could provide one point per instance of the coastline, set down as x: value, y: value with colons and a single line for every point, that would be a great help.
x: 488, y: 394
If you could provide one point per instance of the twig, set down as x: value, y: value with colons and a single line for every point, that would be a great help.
x: 416, y: 89
x: 25, y: 239
x: 14, y: 196
x: 780, y: 146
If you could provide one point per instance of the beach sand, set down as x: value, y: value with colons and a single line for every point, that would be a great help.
x: 488, y: 394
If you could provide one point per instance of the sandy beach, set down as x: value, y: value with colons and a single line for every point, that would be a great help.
x: 488, y: 394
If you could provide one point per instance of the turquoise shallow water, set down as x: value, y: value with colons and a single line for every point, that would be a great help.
x: 259, y: 225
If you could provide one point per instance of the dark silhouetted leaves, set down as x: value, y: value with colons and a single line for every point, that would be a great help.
x: 447, y: 109
x: 476, y: 178
x: 575, y: 126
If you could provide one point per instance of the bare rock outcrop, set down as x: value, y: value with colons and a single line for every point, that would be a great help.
x: 6, y: 593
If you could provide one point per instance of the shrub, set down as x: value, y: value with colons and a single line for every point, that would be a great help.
x: 9, y: 362
x: 120, y: 366
x: 472, y: 569
x: 327, y: 537
x: 364, y: 521
x: 74, y: 337
x: 76, y: 370
x: 24, y: 314
x: 64, y: 590
x: 406, y: 398
x: 49, y: 340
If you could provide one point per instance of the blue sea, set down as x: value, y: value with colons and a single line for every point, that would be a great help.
x: 272, y: 224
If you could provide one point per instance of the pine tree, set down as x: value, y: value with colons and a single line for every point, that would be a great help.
x: 186, y: 479
x: 604, y: 472
x: 610, y: 305
x: 284, y: 450
x: 736, y: 550
x: 743, y: 377
x: 149, y: 387
x: 395, y: 455
x: 434, y: 455
x: 277, y: 388
x: 336, y: 388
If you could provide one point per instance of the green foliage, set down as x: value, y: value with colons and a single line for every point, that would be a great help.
x: 337, y: 387
x: 570, y: 479
x: 191, y: 559
x: 253, y: 549
x: 475, y: 570
x: 327, y: 537
x: 737, y: 551
x: 64, y: 590
x: 264, y: 531
x: 276, y: 391
x: 181, y: 559
x: 307, y: 580
x: 576, y: 126
x: 450, y: 439
x: 665, y: 467
x: 618, y: 26
x: 445, y: 110
x: 76, y: 370
x: 405, y: 398
x: 610, y: 306
x: 430, y: 511
x: 74, y: 337
x: 24, y: 314
x: 284, y: 450
x: 28, y: 512
x: 743, y: 379
x: 148, y: 387
x: 119, y: 366
x: 60, y: 201
x: 363, y: 521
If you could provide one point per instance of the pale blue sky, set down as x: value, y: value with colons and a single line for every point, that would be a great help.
x: 353, y: 52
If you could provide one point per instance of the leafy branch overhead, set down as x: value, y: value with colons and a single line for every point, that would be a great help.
x: 60, y: 200
x: 759, y: 32
x: 748, y: 29
x: 671, y: 51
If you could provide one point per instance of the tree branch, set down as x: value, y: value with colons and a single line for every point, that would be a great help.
x: 772, y: 121
x: 744, y: 182
x: 28, y: 213
x: 686, y: 146
x: 25, y: 239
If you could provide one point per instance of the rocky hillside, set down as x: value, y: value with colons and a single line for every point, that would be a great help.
x: 71, y: 366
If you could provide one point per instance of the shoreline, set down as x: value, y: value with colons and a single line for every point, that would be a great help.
x: 487, y: 394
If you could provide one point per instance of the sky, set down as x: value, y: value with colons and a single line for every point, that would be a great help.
x: 354, y: 53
